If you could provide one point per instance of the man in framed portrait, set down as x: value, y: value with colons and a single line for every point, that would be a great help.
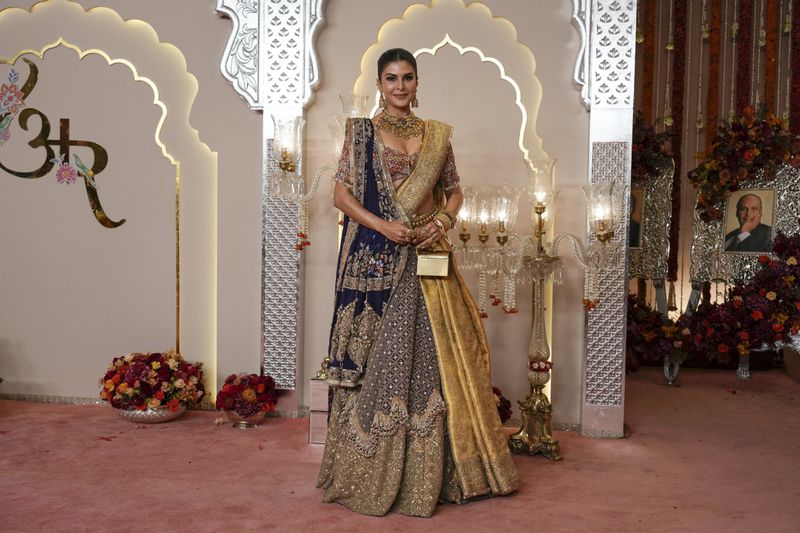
x: 752, y: 235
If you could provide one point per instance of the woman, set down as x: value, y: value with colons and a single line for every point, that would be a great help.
x: 413, y: 419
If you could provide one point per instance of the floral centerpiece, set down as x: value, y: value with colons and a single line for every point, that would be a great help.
x: 152, y: 381
x: 750, y: 142
x: 710, y: 333
x: 650, y: 151
x: 246, y: 397
x: 768, y: 306
x: 652, y: 337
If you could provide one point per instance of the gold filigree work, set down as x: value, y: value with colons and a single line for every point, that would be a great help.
x: 403, y: 127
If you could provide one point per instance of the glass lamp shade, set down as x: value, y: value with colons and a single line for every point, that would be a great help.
x: 354, y: 105
x: 540, y: 173
x: 504, y: 207
x: 469, y: 208
x: 600, y: 202
x: 288, y: 135
x: 483, y: 212
x: 337, y: 130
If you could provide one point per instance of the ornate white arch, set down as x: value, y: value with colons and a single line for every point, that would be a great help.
x: 134, y: 43
x: 470, y: 28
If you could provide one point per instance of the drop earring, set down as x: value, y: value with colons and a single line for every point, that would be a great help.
x: 382, y: 102
x: 415, y: 102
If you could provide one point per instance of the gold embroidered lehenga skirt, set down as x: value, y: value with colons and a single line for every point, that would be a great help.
x: 413, y: 418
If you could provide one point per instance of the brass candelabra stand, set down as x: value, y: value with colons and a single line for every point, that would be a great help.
x: 535, y: 435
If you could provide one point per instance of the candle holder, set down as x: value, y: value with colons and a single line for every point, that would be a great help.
x: 529, y: 259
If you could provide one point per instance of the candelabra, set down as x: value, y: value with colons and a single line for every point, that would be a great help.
x: 289, y: 184
x: 530, y: 261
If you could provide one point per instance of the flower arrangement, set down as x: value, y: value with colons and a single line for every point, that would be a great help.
x: 141, y: 381
x: 503, y: 405
x: 765, y: 310
x: 710, y: 333
x: 768, y: 306
x: 651, y: 336
x: 750, y: 142
x: 650, y: 151
x: 247, y: 394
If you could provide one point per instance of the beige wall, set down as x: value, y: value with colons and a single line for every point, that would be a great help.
x: 455, y: 89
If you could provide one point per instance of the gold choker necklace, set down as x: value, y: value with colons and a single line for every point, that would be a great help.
x: 403, y: 127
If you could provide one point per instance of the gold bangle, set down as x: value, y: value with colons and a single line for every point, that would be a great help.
x: 451, y: 218
x: 442, y: 218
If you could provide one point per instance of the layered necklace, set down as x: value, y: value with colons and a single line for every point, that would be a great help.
x: 403, y: 127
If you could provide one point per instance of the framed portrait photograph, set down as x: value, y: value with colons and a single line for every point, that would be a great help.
x: 635, y: 222
x: 648, y: 225
x: 749, y: 218
x: 727, y: 250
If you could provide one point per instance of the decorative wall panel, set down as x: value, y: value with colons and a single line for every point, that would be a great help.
x: 280, y: 283
x: 272, y: 63
x: 606, y: 324
x: 613, y: 33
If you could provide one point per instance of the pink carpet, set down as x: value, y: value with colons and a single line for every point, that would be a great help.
x: 715, y: 454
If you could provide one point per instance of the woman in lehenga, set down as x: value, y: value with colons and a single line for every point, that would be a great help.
x: 413, y: 419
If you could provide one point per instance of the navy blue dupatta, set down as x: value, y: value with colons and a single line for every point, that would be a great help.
x: 368, y: 265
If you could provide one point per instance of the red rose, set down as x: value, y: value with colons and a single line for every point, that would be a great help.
x: 173, y: 405
x: 777, y: 327
x: 763, y: 259
x: 159, y: 395
x: 723, y: 348
x: 757, y: 315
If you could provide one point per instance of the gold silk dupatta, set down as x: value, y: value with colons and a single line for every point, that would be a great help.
x: 478, y: 446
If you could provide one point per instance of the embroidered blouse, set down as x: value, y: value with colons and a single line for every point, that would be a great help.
x: 400, y: 166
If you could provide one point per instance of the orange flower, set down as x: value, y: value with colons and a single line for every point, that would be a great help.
x: 757, y: 315
x: 723, y: 348
x: 771, y: 296
x: 249, y: 395
x: 777, y: 328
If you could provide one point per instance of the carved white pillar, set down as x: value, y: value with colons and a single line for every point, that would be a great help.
x: 605, y: 73
x: 271, y: 61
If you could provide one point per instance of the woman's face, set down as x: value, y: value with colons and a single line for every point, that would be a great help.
x: 398, y: 84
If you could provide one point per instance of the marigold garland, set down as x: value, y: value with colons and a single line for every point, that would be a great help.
x: 794, y: 99
x: 744, y: 54
x: 712, y: 105
x: 677, y: 100
x: 648, y: 72
x: 770, y: 55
